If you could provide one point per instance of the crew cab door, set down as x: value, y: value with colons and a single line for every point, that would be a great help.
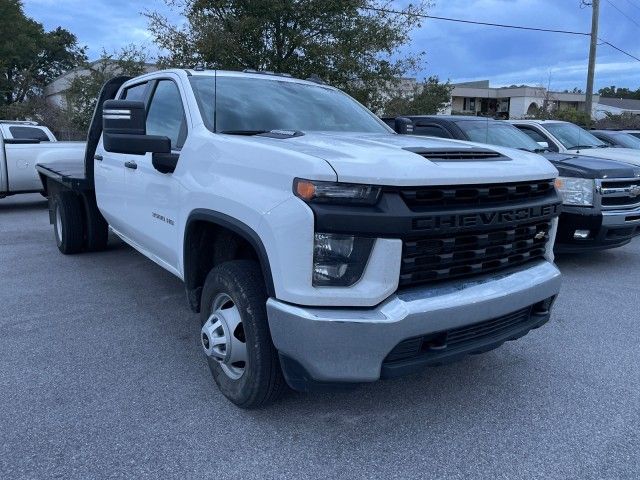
x: 109, y: 174
x: 154, y: 193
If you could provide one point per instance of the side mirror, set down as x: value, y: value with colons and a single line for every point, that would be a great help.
x: 403, y: 126
x: 124, y: 129
x: 543, y: 144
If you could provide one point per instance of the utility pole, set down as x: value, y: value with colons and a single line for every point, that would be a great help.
x: 595, y: 15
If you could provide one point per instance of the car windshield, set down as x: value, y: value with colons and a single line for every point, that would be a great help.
x: 626, y: 140
x: 496, y: 133
x: 572, y: 136
x: 249, y: 105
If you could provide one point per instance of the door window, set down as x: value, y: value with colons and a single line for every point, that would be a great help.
x: 28, y: 133
x: 538, y: 137
x: 430, y: 130
x: 135, y: 93
x: 166, y: 114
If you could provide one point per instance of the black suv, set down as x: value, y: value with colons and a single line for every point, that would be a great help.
x: 601, y: 198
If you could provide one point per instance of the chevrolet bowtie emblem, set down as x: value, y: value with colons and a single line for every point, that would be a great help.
x: 634, y: 191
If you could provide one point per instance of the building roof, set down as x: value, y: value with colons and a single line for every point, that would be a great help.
x: 621, y: 103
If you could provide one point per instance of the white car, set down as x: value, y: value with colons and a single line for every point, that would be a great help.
x: 22, y: 145
x: 319, y: 246
x: 566, y: 137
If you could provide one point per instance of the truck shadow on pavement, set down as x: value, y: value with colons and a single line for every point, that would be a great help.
x: 10, y: 205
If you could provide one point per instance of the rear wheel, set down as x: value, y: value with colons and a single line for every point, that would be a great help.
x: 68, y: 222
x: 235, y: 335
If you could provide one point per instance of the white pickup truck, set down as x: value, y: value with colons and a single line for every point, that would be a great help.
x: 22, y: 145
x: 320, y: 247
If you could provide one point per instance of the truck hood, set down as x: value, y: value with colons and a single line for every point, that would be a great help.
x: 384, y: 159
x: 622, y: 154
x: 571, y: 165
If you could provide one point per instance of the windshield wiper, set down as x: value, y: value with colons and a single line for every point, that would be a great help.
x: 244, y: 132
x: 275, y: 133
x: 580, y: 147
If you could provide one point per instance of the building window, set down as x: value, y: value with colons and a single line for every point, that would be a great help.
x: 469, y: 104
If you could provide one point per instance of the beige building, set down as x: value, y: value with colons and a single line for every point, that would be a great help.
x: 55, y: 92
x: 479, y: 98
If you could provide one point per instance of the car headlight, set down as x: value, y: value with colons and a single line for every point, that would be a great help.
x: 576, y: 191
x: 336, y: 192
x: 339, y: 260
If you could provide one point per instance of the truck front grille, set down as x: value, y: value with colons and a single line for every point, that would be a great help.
x: 475, y: 195
x: 425, y: 258
x: 620, y: 194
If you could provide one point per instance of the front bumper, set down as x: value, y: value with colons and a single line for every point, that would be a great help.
x: 341, y: 345
x: 610, y: 229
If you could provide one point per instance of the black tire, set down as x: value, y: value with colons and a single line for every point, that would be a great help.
x: 68, y: 223
x: 97, y: 235
x: 261, y: 381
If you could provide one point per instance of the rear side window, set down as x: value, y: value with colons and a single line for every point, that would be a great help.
x: 135, y: 93
x: 166, y: 114
x: 28, y: 133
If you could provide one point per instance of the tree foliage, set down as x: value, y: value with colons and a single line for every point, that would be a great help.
x: 344, y: 42
x: 86, y: 85
x: 622, y: 121
x: 427, y: 98
x: 30, y: 57
x: 573, y: 115
x: 617, y: 92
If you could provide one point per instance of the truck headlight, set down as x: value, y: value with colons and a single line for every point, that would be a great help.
x: 576, y: 191
x: 336, y: 192
x: 339, y: 260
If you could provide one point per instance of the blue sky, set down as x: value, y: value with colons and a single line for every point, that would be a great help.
x: 456, y: 51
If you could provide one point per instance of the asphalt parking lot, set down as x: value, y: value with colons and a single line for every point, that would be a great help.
x: 101, y: 376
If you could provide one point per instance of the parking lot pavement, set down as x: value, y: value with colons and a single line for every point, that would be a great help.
x: 101, y: 375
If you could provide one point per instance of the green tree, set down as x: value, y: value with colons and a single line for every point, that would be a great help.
x: 30, y: 57
x: 344, y: 42
x: 428, y: 98
x: 85, y: 86
x: 615, y: 92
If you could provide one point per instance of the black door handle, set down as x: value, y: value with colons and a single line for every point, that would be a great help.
x: 131, y: 165
x: 97, y: 157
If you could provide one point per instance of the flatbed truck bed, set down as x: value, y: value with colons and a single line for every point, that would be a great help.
x: 70, y: 188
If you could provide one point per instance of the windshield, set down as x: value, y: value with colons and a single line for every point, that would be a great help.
x: 572, y: 136
x: 626, y: 140
x: 496, y: 133
x: 251, y: 105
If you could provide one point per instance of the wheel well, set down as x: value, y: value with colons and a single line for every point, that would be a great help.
x: 207, y: 244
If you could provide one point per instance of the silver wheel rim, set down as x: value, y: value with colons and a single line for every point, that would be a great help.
x: 59, y: 224
x: 223, y: 339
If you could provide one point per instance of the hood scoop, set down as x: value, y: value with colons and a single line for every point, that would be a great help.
x: 451, y: 155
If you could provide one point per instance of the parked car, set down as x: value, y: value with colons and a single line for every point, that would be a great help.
x: 565, y: 137
x: 601, y: 198
x: 635, y: 133
x: 22, y: 145
x: 616, y: 138
x: 319, y: 247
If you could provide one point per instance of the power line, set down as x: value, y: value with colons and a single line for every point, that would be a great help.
x: 635, y: 5
x: 619, y: 49
x: 472, y: 22
x: 622, y: 13
x: 500, y: 25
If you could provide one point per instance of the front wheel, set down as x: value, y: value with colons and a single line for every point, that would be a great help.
x: 235, y: 335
